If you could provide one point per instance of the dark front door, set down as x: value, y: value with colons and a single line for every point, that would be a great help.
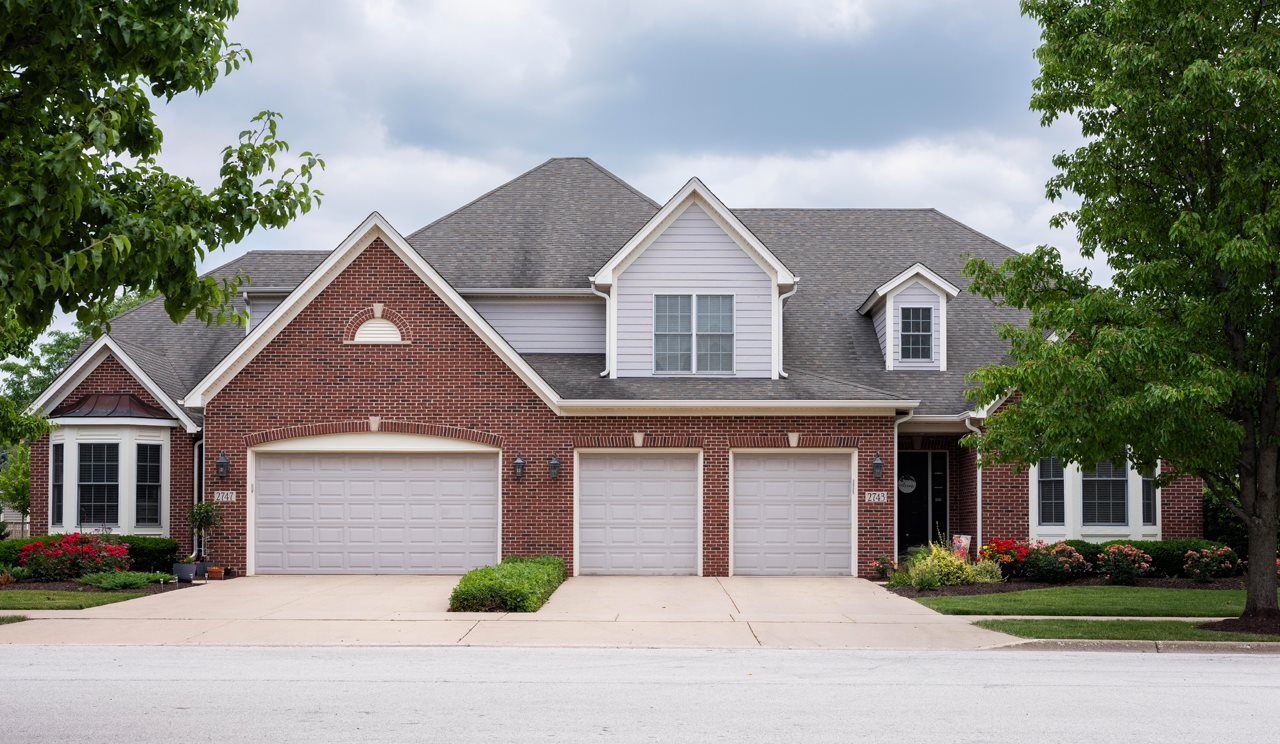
x: 922, y: 498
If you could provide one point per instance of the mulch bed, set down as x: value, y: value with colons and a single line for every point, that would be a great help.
x: 1267, y: 625
x: 1019, y: 585
x: 71, y: 586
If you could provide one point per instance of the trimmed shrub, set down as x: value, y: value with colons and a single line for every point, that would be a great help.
x: 148, y: 553
x: 1207, y: 563
x: 1087, y: 550
x: 120, y: 580
x: 71, y: 557
x: 515, y: 585
x: 1054, y: 564
x: 9, y: 549
x: 1123, y: 564
x: 987, y: 572
x: 1168, y: 557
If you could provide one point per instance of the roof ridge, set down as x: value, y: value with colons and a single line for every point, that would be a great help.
x: 621, y: 182
x: 833, y: 209
x: 482, y: 197
x: 285, y: 250
x: 846, y: 383
x: 980, y: 234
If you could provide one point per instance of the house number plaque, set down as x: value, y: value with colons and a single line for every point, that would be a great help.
x: 875, y: 497
x: 224, y: 495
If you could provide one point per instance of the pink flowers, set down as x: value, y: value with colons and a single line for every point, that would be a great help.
x: 1205, y: 564
x: 1123, y: 564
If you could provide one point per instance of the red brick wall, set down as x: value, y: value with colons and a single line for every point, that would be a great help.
x: 1182, y: 508
x: 111, y: 378
x: 448, y: 377
x: 1005, y: 502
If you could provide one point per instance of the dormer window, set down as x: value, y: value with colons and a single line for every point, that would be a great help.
x: 693, y: 334
x: 917, y: 333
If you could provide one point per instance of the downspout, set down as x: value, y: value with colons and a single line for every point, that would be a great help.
x: 607, y: 340
x: 782, y: 300
x: 978, y: 484
x: 897, y: 421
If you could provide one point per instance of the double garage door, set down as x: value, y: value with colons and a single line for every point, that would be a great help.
x: 637, y: 513
x: 375, y: 513
x: 792, y: 514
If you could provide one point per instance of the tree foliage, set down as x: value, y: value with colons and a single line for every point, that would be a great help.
x: 1179, y: 189
x: 85, y: 210
x: 15, y: 478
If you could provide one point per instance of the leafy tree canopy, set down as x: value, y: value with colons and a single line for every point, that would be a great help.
x: 1179, y: 188
x: 84, y: 208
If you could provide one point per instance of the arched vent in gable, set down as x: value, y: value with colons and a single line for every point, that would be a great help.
x: 377, y: 331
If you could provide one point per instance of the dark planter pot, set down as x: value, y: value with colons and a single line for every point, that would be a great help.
x: 202, y: 569
x: 185, y: 572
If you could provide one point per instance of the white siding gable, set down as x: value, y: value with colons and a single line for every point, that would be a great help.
x: 878, y: 318
x: 694, y: 256
x: 547, y: 326
x: 917, y: 294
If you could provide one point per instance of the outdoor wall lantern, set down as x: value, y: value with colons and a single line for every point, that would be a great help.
x: 517, y: 467
x: 222, y: 465
x: 554, y: 467
x: 877, y: 467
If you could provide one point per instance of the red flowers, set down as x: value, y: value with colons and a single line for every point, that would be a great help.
x: 71, y: 557
x: 1004, y: 550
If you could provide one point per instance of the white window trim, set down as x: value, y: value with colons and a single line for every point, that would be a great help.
x: 933, y: 330
x: 1073, y: 504
x: 893, y: 328
x: 128, y: 437
x: 693, y: 334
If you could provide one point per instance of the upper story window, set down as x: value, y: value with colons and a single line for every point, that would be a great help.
x: 693, y: 333
x: 917, y: 333
x: 1104, y: 495
x: 1052, y: 492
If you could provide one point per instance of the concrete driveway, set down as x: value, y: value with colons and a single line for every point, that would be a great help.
x: 671, y: 612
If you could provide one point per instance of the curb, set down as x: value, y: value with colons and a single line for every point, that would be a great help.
x: 1149, y: 647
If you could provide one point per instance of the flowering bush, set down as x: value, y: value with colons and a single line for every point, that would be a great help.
x: 71, y: 557
x: 1123, y: 564
x: 884, y: 566
x: 1006, y: 553
x: 1205, y: 564
x: 1054, y: 563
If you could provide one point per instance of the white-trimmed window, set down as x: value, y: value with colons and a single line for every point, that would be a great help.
x: 1104, y: 495
x: 57, y: 475
x: 98, y: 494
x: 916, y: 334
x: 1149, y: 503
x: 147, y: 486
x: 693, y: 334
x: 1051, y: 493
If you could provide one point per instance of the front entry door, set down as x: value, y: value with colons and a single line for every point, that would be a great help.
x: 922, y: 498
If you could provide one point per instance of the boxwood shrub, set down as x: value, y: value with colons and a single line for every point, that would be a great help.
x: 9, y: 549
x: 515, y: 585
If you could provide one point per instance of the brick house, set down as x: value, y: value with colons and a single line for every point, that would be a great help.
x: 564, y: 365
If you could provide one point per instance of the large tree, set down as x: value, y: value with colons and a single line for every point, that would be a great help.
x: 84, y: 208
x: 1178, y: 185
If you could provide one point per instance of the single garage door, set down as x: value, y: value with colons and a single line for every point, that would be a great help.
x: 638, y: 514
x: 375, y: 513
x: 792, y: 514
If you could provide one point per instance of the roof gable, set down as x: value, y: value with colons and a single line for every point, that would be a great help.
x: 917, y: 271
x: 374, y: 227
x: 694, y: 192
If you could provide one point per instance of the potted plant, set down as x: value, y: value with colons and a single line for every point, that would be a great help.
x: 203, y: 517
x: 185, y: 569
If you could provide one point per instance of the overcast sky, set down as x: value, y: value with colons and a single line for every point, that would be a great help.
x: 418, y: 107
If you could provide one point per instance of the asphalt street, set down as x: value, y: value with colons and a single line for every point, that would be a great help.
x: 378, y: 694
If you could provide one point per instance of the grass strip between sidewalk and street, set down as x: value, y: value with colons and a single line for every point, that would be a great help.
x: 1119, y: 630
x: 1083, y: 601
x: 43, y: 599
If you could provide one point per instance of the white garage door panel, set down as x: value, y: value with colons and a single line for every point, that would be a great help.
x: 638, y: 514
x: 792, y: 514
x: 372, y: 513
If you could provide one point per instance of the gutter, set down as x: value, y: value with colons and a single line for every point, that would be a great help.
x: 607, y: 346
x: 782, y: 300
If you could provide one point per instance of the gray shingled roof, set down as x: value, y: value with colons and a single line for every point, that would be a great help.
x: 555, y: 225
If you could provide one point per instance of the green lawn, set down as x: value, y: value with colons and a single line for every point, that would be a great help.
x: 40, y: 599
x: 6, y: 619
x: 1096, y: 600
x: 1118, y: 630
